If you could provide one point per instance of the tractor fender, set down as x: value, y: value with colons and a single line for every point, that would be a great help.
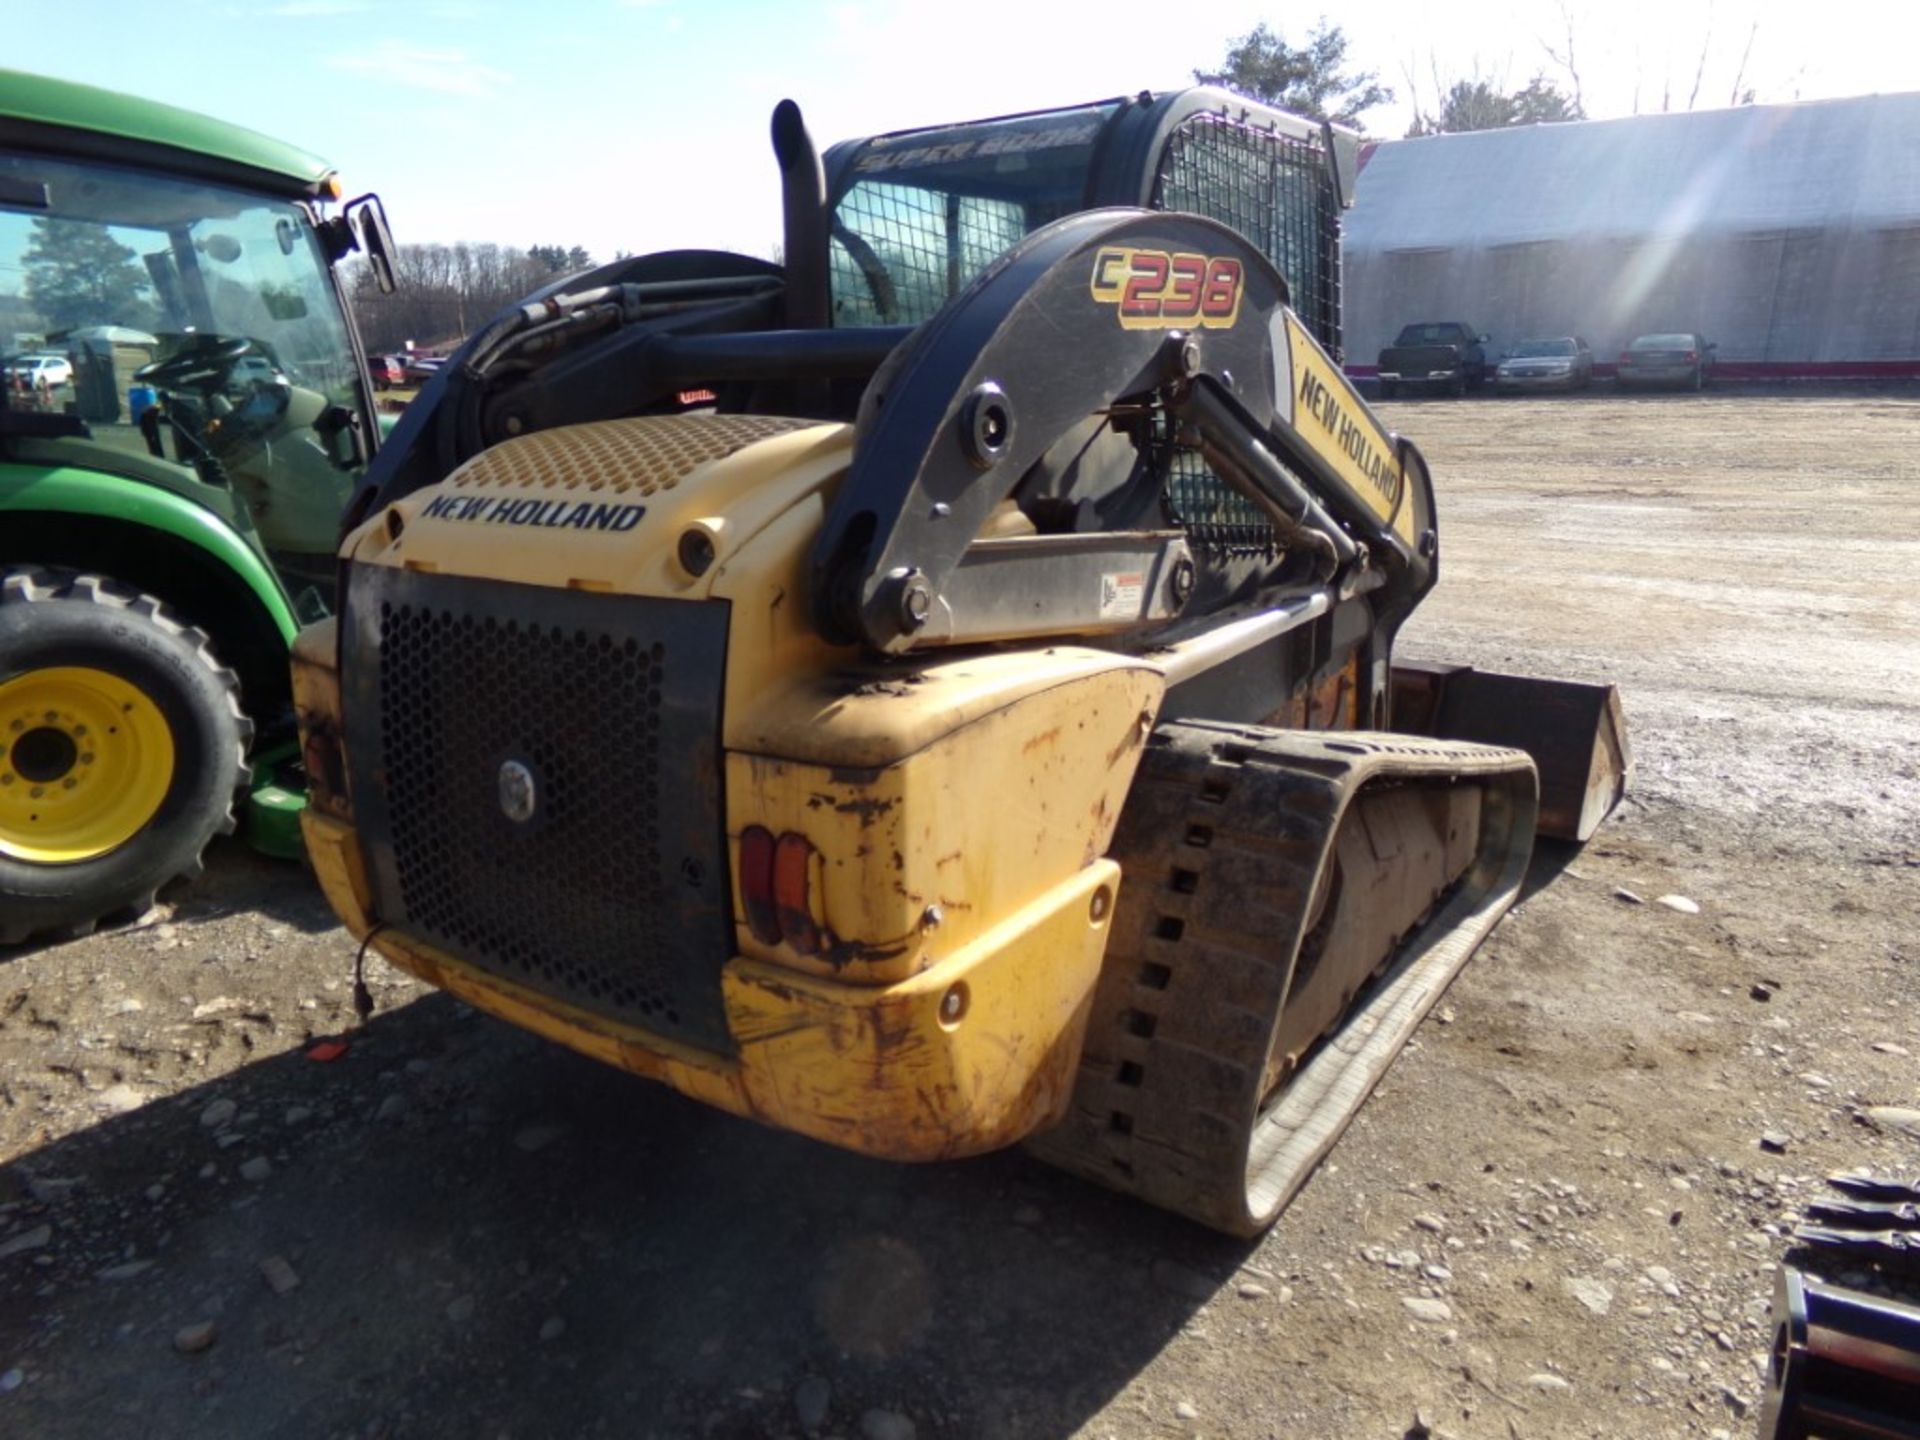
x: 164, y: 545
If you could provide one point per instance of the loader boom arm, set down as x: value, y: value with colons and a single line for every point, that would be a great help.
x: 1058, y: 332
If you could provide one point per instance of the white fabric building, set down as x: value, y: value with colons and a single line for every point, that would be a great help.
x: 1787, y: 234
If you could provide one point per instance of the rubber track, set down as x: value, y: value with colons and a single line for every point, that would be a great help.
x: 1221, y: 846
x: 29, y: 584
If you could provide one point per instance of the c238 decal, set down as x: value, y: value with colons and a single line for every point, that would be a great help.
x: 1156, y: 290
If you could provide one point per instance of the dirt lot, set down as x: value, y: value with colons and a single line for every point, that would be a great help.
x: 490, y: 1237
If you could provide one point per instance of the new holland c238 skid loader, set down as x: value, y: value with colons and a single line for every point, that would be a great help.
x: 938, y: 693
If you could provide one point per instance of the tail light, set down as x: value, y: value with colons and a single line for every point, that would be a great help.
x: 793, y: 892
x: 756, y: 883
x: 326, y: 769
x: 1692, y: 355
x: 1625, y: 357
x: 777, y: 888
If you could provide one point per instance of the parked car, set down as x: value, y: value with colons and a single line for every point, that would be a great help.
x: 30, y: 370
x: 251, y: 369
x: 422, y: 368
x: 1565, y: 363
x: 387, y: 370
x: 1679, y: 361
x: 1443, y: 353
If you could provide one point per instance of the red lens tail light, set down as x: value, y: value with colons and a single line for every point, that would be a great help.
x: 756, y: 883
x: 1692, y: 355
x: 776, y: 888
x: 1624, y: 357
x: 792, y: 892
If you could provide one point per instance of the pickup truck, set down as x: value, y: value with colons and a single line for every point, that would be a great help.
x: 1444, y: 352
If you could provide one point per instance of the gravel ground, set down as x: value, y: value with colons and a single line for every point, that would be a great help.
x: 1554, y: 1219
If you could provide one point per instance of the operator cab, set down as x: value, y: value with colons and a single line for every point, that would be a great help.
x: 203, y: 346
x: 916, y: 215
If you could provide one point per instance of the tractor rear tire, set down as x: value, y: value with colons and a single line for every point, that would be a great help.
x: 122, y: 749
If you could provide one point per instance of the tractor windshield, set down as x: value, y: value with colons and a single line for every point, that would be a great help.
x: 926, y: 212
x: 198, y: 325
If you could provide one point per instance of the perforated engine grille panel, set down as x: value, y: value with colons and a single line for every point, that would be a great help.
x: 536, y: 783
x: 642, y: 455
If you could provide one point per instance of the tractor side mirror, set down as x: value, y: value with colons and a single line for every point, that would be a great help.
x: 371, y: 234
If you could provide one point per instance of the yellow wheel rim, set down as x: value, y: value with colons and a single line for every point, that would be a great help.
x: 85, y: 760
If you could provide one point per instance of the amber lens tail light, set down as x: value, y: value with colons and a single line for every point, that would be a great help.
x: 776, y: 888
x: 792, y: 892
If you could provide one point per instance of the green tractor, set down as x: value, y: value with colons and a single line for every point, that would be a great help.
x: 184, y: 408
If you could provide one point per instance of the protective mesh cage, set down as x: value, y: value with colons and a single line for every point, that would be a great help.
x: 1278, y: 192
x: 610, y: 893
x: 1275, y: 190
x: 900, y: 252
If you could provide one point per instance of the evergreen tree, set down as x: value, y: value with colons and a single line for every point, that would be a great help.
x: 1477, y: 105
x: 77, y: 274
x: 1311, y: 80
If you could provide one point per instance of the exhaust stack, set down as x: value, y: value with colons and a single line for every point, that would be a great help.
x: 803, y: 202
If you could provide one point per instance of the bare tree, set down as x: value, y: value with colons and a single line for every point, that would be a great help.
x: 1706, y: 48
x: 446, y: 290
x: 1566, y: 60
x: 1413, y: 87
x: 1741, y: 73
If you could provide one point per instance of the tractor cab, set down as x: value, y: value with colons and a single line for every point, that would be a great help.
x: 182, y: 411
x: 198, y: 343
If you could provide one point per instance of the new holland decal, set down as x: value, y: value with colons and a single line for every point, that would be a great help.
x: 549, y: 514
x: 1315, y: 398
x: 1158, y: 290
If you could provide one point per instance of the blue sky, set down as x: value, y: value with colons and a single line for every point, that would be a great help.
x: 641, y: 124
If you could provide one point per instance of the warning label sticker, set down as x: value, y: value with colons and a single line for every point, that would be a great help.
x: 1122, y: 594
